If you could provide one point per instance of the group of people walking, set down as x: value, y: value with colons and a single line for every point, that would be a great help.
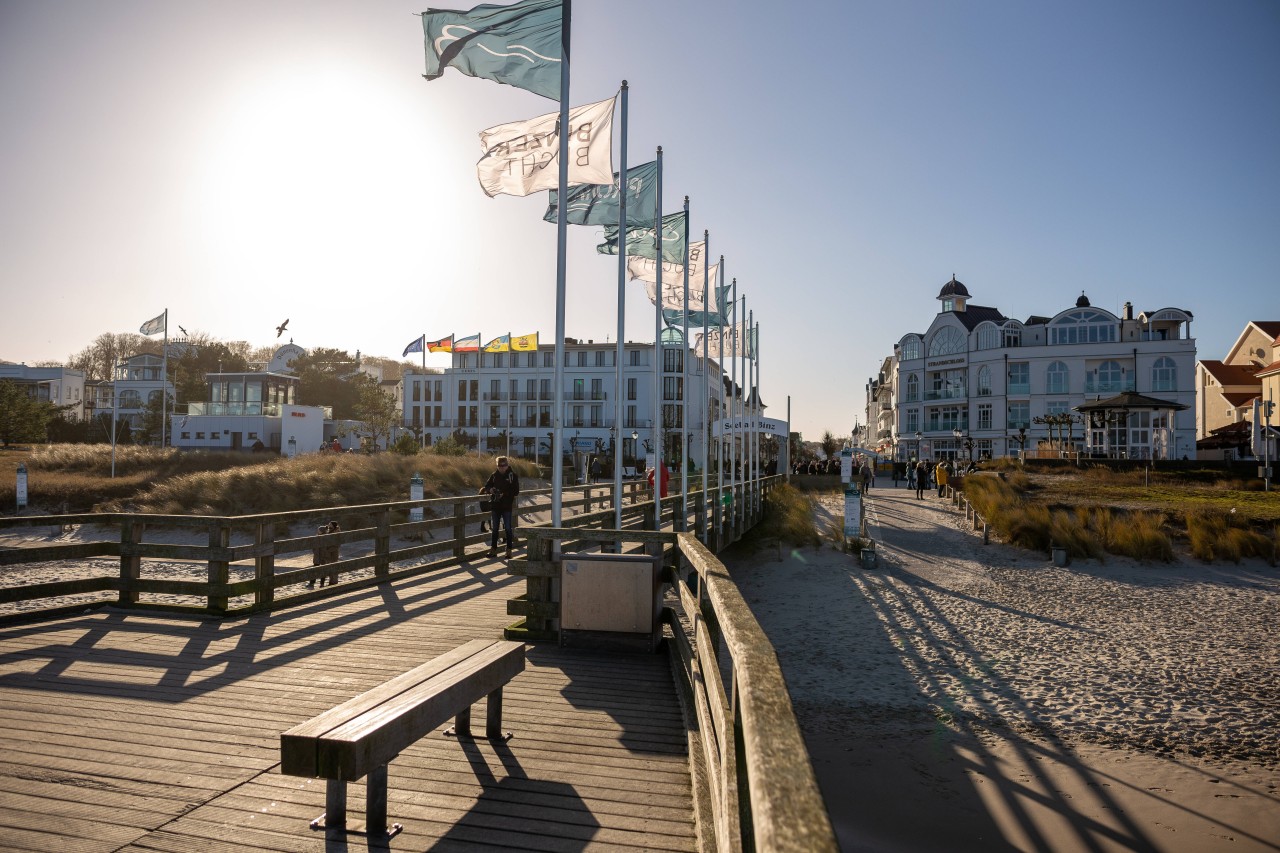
x: 923, y: 475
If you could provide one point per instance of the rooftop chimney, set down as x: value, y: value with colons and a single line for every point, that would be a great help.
x: 1128, y: 311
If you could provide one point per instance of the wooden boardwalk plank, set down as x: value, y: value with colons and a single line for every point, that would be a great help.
x: 142, y: 732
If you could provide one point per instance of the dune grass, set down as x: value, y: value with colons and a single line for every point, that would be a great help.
x: 77, y: 478
x: 788, y: 517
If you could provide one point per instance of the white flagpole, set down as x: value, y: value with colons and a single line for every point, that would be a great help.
x: 721, y: 417
x: 753, y: 437
x: 164, y: 380
x: 479, y: 414
x: 622, y: 321
x: 734, y: 396
x: 657, y: 357
x: 684, y: 386
x: 706, y: 388
x: 511, y: 400
x: 557, y: 416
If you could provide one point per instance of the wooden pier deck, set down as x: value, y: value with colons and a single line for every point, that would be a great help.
x: 134, y: 731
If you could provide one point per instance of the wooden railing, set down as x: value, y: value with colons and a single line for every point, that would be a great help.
x: 754, y: 786
x: 256, y: 558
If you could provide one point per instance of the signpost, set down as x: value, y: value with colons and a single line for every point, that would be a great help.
x: 22, y: 486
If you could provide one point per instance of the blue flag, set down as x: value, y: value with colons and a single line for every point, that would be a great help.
x: 597, y: 204
x: 518, y: 45
x: 642, y: 242
x: 416, y: 346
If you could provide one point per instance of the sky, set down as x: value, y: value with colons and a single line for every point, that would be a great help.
x: 240, y: 162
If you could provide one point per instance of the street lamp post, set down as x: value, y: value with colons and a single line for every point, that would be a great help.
x: 919, y: 435
x: 965, y: 441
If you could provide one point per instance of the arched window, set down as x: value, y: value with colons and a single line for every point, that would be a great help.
x: 988, y: 336
x: 910, y: 348
x: 153, y: 398
x: 1164, y: 375
x: 130, y: 400
x: 1056, y: 378
x: 984, y: 381
x: 1110, y: 378
x: 913, y: 388
x: 1086, y: 326
x: 946, y: 341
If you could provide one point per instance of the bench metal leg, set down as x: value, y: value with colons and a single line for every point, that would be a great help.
x: 461, y: 724
x: 335, y: 806
x: 493, y: 715
x: 375, y: 801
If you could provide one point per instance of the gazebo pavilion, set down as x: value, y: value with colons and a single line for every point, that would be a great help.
x: 1130, y: 426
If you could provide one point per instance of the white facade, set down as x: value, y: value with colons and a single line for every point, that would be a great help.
x: 991, y: 377
x: 61, y: 386
x: 484, y: 395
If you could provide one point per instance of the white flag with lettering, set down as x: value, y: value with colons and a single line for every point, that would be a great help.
x: 724, y: 343
x: 523, y: 157
x: 646, y: 269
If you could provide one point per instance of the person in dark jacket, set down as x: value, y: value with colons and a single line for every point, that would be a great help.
x: 502, y: 487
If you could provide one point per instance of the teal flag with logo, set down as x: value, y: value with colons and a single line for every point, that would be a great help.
x: 518, y: 45
x: 643, y: 241
x: 597, y: 204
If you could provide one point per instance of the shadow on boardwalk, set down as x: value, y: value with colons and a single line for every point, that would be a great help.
x: 136, y: 731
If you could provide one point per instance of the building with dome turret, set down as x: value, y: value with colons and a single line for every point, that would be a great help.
x: 978, y: 384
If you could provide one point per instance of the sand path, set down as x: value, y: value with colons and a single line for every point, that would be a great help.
x: 963, y: 696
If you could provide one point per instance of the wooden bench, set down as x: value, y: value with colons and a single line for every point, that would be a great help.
x: 362, y: 735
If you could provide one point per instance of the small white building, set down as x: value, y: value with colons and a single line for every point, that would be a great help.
x: 61, y: 386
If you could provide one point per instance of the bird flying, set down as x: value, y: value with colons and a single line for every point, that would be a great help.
x: 280, y: 329
x: 180, y: 329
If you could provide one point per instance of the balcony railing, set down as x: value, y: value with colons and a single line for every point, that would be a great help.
x: 1019, y: 388
x: 946, y: 394
x: 1098, y: 386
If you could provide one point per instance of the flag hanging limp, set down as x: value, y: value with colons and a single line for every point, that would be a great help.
x: 416, y: 346
x: 442, y: 345
x: 502, y: 343
x: 518, y: 45
x: 153, y: 326
x: 643, y: 241
x: 522, y: 157
x: 598, y: 204
x: 525, y: 343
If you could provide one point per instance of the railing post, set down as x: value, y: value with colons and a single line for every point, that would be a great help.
x: 219, y: 570
x: 130, y: 564
x: 264, y: 566
x: 459, y: 528
x: 700, y: 511
x: 382, y: 545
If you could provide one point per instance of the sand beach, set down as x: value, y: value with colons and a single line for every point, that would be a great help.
x: 971, y: 697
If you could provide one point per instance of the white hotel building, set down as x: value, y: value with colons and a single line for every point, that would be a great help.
x: 989, y: 377
x: 485, y: 395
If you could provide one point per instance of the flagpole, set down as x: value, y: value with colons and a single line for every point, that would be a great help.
x: 684, y: 386
x: 723, y: 420
x: 557, y: 417
x: 753, y: 461
x: 479, y: 364
x: 511, y: 354
x: 622, y: 320
x: 734, y: 395
x: 706, y: 388
x: 164, y: 379
x: 657, y: 361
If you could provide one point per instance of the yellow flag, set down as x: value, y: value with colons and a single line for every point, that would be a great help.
x: 502, y: 343
x: 525, y: 343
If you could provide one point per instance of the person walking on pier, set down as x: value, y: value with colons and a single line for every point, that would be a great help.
x: 502, y: 487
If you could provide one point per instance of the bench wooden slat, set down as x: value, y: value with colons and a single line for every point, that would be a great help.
x: 369, y: 730
x: 377, y: 736
x: 298, y: 744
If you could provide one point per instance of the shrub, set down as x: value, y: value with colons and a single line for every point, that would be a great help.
x: 1142, y: 537
x: 1217, y: 535
x: 448, y: 446
x: 405, y: 445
